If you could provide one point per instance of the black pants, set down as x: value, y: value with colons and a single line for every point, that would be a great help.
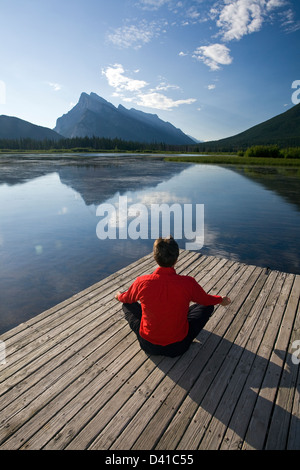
x: 198, y: 316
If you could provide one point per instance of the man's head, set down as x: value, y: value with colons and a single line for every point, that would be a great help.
x: 166, y: 252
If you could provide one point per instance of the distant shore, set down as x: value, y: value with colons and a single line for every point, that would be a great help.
x: 190, y: 157
x: 236, y: 160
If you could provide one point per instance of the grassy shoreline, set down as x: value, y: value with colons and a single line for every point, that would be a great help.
x: 236, y: 160
x: 214, y: 158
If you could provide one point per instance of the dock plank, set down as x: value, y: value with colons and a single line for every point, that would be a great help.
x: 243, y: 358
x: 75, y: 377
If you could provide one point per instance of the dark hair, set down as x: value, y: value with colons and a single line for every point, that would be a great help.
x: 166, y: 252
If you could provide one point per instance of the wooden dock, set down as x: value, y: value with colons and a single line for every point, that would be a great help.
x: 75, y: 377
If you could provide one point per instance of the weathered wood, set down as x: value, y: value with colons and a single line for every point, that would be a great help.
x: 75, y: 377
x: 243, y: 357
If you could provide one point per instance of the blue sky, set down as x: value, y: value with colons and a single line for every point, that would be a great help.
x: 212, y: 68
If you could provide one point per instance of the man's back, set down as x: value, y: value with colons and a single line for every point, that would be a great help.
x: 165, y: 298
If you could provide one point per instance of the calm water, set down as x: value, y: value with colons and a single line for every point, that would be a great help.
x: 49, y: 249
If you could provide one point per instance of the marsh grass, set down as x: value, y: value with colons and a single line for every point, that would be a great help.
x: 236, y: 160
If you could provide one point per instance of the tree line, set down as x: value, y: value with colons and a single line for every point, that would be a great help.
x: 98, y: 144
x: 86, y: 144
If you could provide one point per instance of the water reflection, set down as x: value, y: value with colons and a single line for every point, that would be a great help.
x: 49, y: 249
x: 285, y: 181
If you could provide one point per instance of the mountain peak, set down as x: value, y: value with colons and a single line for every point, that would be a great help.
x: 92, y: 97
x: 94, y: 116
x: 97, y: 97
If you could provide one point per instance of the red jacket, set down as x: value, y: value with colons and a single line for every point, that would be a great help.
x: 165, y: 298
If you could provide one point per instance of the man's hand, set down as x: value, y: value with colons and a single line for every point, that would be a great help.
x: 117, y: 295
x: 226, y: 301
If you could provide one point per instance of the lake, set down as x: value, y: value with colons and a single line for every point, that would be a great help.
x: 49, y: 248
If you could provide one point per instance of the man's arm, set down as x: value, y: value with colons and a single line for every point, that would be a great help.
x: 226, y: 301
x: 130, y: 296
x: 200, y: 296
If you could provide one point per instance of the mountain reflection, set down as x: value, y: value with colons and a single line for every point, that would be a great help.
x: 96, y: 178
x: 100, y: 181
x: 99, y: 177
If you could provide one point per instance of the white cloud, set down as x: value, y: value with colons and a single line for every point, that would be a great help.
x: 214, y: 55
x: 211, y: 87
x: 151, y: 98
x: 127, y: 99
x: 163, y: 86
x: 155, y: 99
x: 275, y: 4
x: 152, y: 4
x: 288, y: 21
x: 238, y: 18
x: 190, y: 16
x: 160, y: 197
x: 116, y: 79
x: 55, y: 86
x: 134, y: 36
x: 193, y: 13
x: 180, y: 13
x: 160, y: 101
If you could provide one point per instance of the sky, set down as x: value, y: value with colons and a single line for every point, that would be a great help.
x: 213, y: 68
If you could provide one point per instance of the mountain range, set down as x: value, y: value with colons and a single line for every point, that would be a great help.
x: 282, y: 130
x: 15, y: 128
x: 93, y: 116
